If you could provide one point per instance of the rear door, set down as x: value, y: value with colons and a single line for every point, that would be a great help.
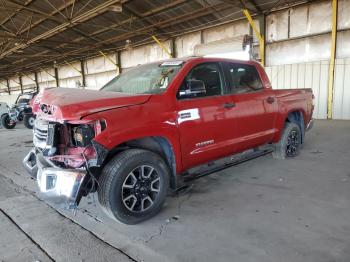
x: 255, y: 107
x: 202, y: 122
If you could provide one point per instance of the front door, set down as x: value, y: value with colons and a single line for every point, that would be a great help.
x: 202, y: 119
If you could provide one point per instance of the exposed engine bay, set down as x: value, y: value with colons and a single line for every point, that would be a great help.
x: 66, y: 145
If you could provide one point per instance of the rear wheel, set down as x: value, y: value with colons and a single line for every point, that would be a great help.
x: 290, y: 142
x: 29, y: 121
x: 6, y: 121
x: 133, y: 186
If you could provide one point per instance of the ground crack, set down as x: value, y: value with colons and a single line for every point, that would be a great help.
x: 25, y: 233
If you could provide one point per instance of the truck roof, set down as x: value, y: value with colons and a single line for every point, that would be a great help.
x: 204, y: 59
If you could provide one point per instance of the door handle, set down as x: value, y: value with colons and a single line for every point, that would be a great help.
x: 229, y: 105
x: 270, y: 100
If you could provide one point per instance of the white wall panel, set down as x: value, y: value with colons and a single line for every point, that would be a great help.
x: 72, y: 82
x: 96, y: 81
x: 343, y: 14
x: 343, y: 44
x: 277, y: 26
x: 299, y: 21
x: 46, y: 79
x: 15, y: 87
x: 144, y: 54
x: 320, y: 17
x: 225, y: 31
x: 28, y: 82
x: 69, y: 76
x: 100, y: 64
x: 303, y: 75
x: 185, y: 44
x: 100, y: 70
x: 67, y: 71
x: 309, y: 49
x: 3, y: 85
x: 9, y: 99
x: 310, y: 19
x: 341, y: 96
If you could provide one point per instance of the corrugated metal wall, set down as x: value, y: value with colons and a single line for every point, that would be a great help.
x: 341, y: 98
x: 303, y: 75
x: 304, y: 62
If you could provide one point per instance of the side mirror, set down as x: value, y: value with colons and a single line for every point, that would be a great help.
x: 193, y: 88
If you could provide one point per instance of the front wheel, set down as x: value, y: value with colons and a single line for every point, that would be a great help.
x: 133, y: 186
x: 289, y: 144
x: 7, y: 122
x: 29, y: 120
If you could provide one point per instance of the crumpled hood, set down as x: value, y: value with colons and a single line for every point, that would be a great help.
x: 62, y: 104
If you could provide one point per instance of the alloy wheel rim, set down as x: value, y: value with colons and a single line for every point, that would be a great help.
x: 141, y: 188
x: 31, y: 121
x: 293, y: 143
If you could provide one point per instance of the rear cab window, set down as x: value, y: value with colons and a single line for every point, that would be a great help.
x: 242, y: 78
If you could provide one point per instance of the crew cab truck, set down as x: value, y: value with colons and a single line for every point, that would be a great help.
x: 154, y: 126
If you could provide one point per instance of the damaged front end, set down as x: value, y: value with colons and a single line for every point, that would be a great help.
x: 63, y: 159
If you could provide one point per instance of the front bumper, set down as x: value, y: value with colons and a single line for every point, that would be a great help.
x: 59, y: 185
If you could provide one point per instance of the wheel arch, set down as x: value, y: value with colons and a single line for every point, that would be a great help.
x: 157, y: 144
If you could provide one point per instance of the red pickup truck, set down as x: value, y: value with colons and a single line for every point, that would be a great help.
x: 155, y: 126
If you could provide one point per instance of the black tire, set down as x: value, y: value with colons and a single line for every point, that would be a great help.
x: 122, y: 183
x: 6, y: 122
x: 290, y: 142
x: 28, y: 121
x: 20, y: 116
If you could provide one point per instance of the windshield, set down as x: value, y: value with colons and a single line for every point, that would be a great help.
x: 146, y: 79
x: 24, y: 98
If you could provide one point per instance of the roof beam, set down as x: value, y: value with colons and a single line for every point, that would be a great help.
x: 145, y: 30
x: 257, y: 8
x: 79, y: 18
x: 15, y: 12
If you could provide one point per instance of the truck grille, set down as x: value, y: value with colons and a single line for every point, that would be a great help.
x: 42, y: 134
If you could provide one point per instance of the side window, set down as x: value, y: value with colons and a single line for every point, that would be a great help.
x: 207, y: 74
x: 243, y: 78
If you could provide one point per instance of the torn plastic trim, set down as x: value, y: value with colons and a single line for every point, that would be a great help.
x: 101, y: 153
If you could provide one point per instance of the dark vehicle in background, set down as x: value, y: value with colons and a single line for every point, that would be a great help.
x: 20, y: 111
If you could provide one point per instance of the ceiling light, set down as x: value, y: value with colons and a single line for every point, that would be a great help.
x: 128, y: 45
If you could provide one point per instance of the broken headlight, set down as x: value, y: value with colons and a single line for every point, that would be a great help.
x: 83, y: 135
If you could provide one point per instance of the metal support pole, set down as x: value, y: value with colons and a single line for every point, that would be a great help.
x: 82, y: 66
x: 119, y: 62
x: 56, y: 77
x: 162, y: 46
x: 173, y: 47
x: 332, y: 61
x: 259, y: 35
x: 21, y: 84
x: 8, y: 86
x: 36, y: 81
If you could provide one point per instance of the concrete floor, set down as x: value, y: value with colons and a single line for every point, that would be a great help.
x: 261, y: 210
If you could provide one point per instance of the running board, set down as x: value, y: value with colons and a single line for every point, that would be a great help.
x: 223, y: 163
